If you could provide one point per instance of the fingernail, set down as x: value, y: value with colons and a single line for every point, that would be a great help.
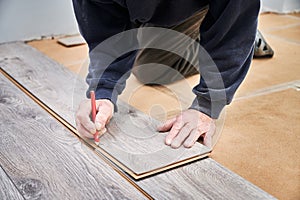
x: 98, y: 125
x: 168, y: 141
x: 174, y: 145
x: 187, y: 145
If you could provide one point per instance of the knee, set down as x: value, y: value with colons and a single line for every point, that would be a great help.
x: 147, y: 75
x: 155, y: 74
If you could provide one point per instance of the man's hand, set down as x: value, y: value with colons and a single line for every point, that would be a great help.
x: 85, y: 125
x: 186, y: 128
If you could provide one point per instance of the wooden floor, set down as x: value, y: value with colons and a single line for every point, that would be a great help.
x: 253, y: 125
x: 139, y: 153
x: 8, y: 189
x: 205, y: 179
x: 33, y: 146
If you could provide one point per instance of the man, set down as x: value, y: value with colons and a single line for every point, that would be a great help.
x: 227, y: 34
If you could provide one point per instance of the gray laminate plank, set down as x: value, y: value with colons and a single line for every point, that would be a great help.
x: 46, y: 161
x: 7, y: 188
x: 132, y: 140
x: 205, y: 179
x: 71, y: 41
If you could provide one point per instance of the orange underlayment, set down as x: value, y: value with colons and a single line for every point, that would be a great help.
x: 260, y: 139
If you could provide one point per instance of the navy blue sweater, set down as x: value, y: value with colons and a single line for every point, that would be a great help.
x: 227, y: 35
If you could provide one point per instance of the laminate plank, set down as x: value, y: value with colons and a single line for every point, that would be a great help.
x: 7, y: 188
x: 132, y: 141
x: 36, y: 73
x: 45, y: 161
x: 204, y: 179
x: 71, y: 41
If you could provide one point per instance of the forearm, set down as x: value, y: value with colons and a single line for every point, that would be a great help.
x: 227, y: 36
x: 108, y: 81
x: 109, y: 67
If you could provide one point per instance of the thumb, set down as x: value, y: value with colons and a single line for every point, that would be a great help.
x: 100, y: 121
x: 211, y: 135
x: 103, y: 116
x: 207, y: 141
x: 208, y: 136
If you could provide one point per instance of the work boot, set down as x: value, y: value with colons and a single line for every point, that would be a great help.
x: 261, y: 48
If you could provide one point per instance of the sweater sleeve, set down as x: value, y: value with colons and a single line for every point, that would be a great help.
x: 227, y: 36
x: 108, y: 70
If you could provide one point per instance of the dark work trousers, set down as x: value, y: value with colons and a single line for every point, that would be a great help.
x: 156, y: 66
x: 147, y: 66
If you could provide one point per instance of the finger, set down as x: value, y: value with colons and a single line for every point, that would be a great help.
x: 191, y: 140
x: 207, y: 141
x: 174, y: 131
x: 102, y: 118
x: 102, y: 131
x: 85, y: 121
x: 82, y: 131
x: 167, y: 125
x: 181, y: 136
x: 208, y: 137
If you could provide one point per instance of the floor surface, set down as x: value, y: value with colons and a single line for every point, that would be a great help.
x: 260, y: 138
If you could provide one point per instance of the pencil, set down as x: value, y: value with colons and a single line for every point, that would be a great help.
x: 93, y: 105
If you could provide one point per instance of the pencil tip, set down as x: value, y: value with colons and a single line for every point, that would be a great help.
x: 97, y: 143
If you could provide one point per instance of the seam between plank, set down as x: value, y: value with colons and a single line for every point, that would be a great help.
x: 73, y: 131
x: 12, y: 182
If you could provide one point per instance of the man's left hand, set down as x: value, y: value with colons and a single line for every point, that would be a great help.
x: 187, y: 128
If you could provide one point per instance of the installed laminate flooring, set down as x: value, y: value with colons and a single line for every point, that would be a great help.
x: 204, y: 179
x: 8, y: 189
x: 45, y: 161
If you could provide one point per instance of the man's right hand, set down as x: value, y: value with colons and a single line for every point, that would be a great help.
x: 85, y: 125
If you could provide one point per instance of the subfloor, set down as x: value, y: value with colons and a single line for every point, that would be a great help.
x: 260, y: 135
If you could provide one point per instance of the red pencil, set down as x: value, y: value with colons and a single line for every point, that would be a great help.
x: 93, y: 104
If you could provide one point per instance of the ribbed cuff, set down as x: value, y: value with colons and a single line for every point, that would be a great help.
x: 208, y: 107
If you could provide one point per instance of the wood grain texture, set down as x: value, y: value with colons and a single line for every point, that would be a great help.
x: 132, y: 141
x: 205, y: 179
x: 7, y: 188
x: 35, y: 72
x: 45, y: 161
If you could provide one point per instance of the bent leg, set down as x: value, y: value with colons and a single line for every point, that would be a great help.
x: 156, y: 66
